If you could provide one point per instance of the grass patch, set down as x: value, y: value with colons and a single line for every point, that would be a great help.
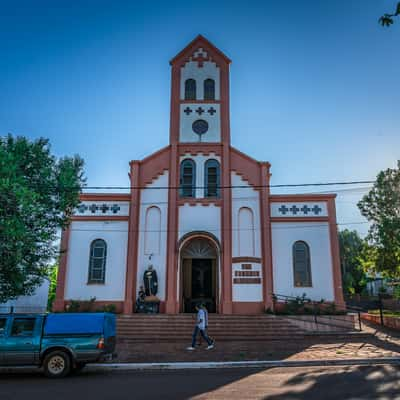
x: 386, y: 313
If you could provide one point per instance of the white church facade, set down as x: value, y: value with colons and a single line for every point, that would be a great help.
x: 201, y: 213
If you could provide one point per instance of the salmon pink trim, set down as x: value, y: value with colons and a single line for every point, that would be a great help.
x: 104, y: 197
x: 62, y: 270
x: 133, y: 239
x: 100, y: 218
x: 336, y: 270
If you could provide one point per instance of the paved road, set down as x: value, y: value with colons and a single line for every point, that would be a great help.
x: 380, y: 382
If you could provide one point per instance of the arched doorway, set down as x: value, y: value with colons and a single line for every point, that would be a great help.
x: 199, y: 259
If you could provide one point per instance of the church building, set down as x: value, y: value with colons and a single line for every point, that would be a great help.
x: 200, y: 212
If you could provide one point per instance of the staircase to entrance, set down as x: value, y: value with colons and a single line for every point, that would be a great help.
x: 163, y: 338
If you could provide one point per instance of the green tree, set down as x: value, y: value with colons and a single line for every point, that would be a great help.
x: 52, y: 274
x: 38, y: 193
x: 388, y: 19
x: 352, y: 253
x: 381, y: 206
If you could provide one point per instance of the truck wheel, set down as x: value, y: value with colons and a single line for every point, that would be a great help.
x: 57, y: 364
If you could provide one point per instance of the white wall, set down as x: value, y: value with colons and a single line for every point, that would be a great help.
x: 316, y: 235
x: 247, y: 291
x: 186, y: 133
x: 200, y: 218
x: 249, y: 198
x: 115, y: 234
x: 151, y: 198
x: 209, y: 70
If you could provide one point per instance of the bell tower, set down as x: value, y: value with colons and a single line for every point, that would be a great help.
x: 200, y: 95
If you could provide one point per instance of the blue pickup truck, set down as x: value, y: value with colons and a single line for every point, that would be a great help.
x: 60, y: 343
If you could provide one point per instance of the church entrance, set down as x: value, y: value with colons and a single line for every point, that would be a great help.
x: 199, y: 275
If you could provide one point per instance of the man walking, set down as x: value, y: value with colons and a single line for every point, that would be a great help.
x: 201, y: 326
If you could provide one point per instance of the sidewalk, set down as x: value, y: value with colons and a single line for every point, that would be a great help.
x: 374, y: 343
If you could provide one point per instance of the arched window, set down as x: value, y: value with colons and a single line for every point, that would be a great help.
x: 188, y: 178
x: 97, y: 261
x: 190, y: 89
x: 211, y: 178
x: 209, y: 89
x: 301, y: 264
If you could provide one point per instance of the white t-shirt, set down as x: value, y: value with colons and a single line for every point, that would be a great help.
x: 201, y: 319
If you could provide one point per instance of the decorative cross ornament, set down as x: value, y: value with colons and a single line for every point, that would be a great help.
x: 283, y: 209
x: 82, y: 208
x: 187, y: 110
x: 115, y: 208
x: 200, y: 57
x: 199, y: 111
x: 212, y: 111
x: 104, y: 208
x: 305, y: 209
x: 93, y: 208
x: 294, y: 209
x: 316, y: 209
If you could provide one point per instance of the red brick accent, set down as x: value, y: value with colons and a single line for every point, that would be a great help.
x: 100, y: 218
x: 277, y: 198
x: 200, y: 41
x: 299, y: 219
x: 104, y: 197
x: 154, y: 165
x: 203, y: 202
x: 171, y: 306
x: 133, y: 239
x: 246, y: 266
x: 236, y: 260
x: 247, y: 273
x: 247, y: 280
x: 248, y: 307
x: 246, y: 167
x: 266, y: 236
x: 336, y: 270
x: 62, y: 270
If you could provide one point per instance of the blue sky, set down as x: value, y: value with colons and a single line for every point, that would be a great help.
x: 314, y: 84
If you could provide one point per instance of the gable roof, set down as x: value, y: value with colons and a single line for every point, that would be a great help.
x: 199, y: 41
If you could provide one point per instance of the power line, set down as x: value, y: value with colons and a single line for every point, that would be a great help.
x: 315, y: 225
x: 249, y: 186
x: 289, y: 185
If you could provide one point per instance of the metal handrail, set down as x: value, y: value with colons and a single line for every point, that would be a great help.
x: 313, y: 303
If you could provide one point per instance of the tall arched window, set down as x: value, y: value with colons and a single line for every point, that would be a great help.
x: 301, y: 264
x: 97, y: 261
x: 209, y: 89
x: 188, y: 178
x: 211, y: 178
x: 190, y: 89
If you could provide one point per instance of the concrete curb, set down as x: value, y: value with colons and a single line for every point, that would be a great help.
x: 240, y: 364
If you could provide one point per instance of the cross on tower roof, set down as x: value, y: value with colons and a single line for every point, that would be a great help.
x: 199, y: 57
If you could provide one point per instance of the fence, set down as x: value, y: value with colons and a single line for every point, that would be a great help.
x: 326, y: 315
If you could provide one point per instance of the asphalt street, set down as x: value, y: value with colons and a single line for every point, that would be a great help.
x: 355, y: 382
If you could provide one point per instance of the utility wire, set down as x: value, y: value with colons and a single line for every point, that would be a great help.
x: 249, y: 186
x: 218, y: 230
x: 290, y: 185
